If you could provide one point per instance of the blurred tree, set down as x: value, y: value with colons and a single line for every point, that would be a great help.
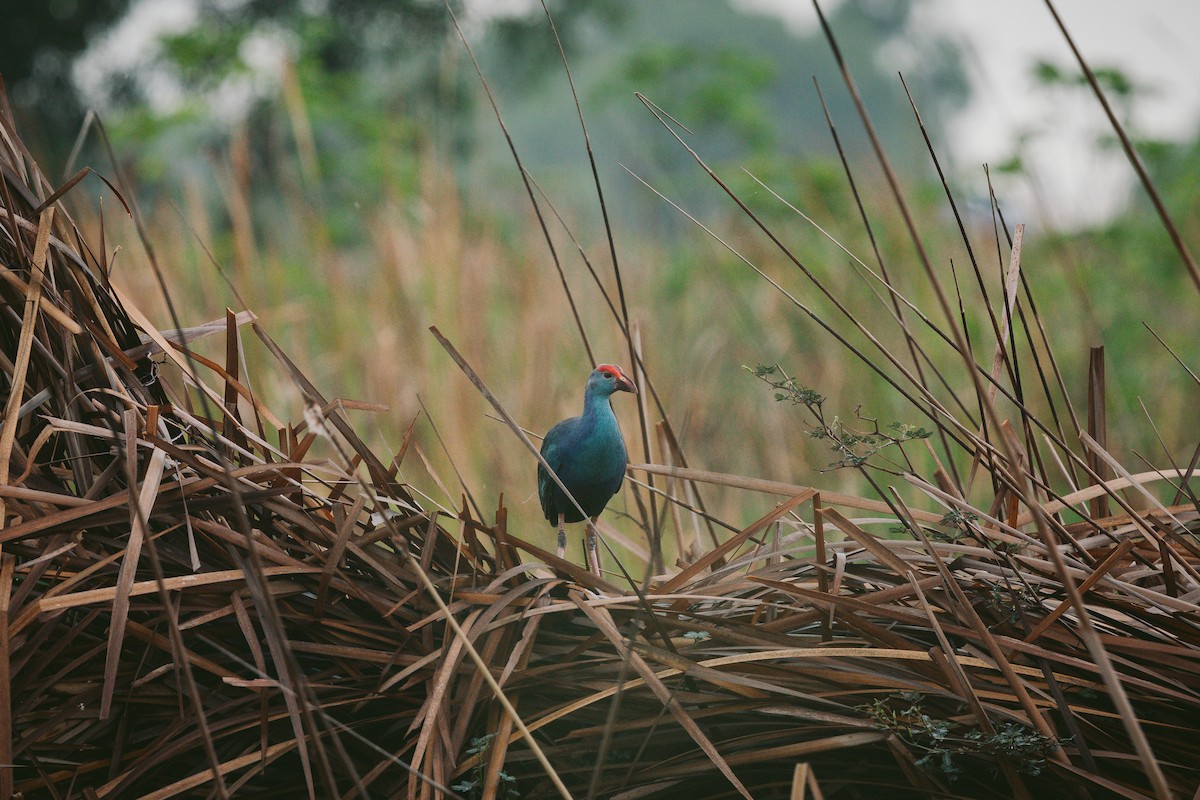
x: 337, y: 83
x: 344, y: 93
x: 38, y: 45
x: 742, y: 82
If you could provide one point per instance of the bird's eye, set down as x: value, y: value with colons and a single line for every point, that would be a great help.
x: 607, y: 375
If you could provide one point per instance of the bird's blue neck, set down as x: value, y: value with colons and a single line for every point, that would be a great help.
x: 596, y: 406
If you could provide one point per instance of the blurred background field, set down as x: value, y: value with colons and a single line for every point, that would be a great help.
x: 340, y: 163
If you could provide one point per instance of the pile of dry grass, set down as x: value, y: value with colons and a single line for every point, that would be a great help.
x: 195, y: 604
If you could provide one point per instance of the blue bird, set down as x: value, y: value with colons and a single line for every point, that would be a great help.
x: 587, y: 454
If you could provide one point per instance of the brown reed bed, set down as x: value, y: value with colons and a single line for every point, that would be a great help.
x: 206, y: 598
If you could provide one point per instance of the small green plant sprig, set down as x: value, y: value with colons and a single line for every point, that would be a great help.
x: 854, y: 447
x: 506, y: 789
x: 957, y: 525
x: 943, y: 741
x: 1010, y: 601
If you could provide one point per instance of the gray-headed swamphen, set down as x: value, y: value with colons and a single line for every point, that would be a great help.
x: 587, y: 454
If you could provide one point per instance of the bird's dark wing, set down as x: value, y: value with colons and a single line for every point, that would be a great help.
x: 552, y: 452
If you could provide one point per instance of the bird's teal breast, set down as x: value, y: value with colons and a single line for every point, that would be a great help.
x: 600, y: 456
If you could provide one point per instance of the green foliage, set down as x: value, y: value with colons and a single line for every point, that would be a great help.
x: 946, y: 744
x: 1115, y: 82
x: 1117, y: 86
x: 473, y: 788
x: 352, y: 91
x: 787, y: 389
x: 957, y: 526
x: 720, y: 88
x: 1011, y: 601
x: 205, y: 56
x: 38, y: 46
x: 739, y: 81
x: 958, y: 522
x: 854, y: 447
x: 533, y: 55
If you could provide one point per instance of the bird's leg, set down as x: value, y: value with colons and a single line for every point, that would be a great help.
x: 562, y: 536
x: 593, y: 549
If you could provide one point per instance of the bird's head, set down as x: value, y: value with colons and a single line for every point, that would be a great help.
x: 608, y: 378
